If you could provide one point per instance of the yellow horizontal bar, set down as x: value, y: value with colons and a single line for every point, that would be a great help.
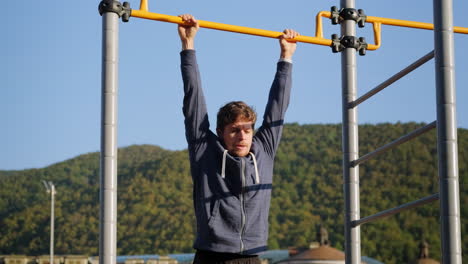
x: 396, y: 22
x: 230, y: 28
x: 377, y: 22
x: 410, y: 24
x: 318, y: 39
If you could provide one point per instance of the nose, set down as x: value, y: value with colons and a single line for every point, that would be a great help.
x: 242, y: 135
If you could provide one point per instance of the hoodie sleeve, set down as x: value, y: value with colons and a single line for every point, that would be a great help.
x: 269, y: 134
x: 194, y: 106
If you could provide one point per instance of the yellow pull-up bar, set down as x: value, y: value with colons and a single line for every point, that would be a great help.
x: 318, y: 39
x: 230, y: 28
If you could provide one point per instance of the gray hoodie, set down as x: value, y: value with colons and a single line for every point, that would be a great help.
x: 231, y: 195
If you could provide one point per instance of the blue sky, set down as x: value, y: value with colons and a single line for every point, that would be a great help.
x: 51, y: 72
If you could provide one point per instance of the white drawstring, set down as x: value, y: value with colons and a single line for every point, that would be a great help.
x: 223, y: 166
x: 257, y: 177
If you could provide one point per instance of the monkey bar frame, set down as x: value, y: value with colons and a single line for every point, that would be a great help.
x: 446, y: 120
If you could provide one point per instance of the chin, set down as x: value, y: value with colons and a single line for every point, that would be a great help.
x: 239, y: 153
x: 243, y: 154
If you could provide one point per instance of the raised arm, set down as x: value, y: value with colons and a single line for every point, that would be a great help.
x: 269, y: 133
x: 194, y: 107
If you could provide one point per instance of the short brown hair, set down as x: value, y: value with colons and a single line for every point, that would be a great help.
x: 233, y: 111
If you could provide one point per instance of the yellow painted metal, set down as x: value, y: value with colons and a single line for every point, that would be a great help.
x: 318, y: 23
x: 318, y: 39
x: 462, y: 30
x: 230, y: 28
x: 327, y: 14
x: 377, y: 34
x: 377, y: 26
x: 144, y: 5
x: 410, y: 24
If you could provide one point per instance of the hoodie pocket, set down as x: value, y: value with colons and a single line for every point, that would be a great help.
x: 214, y: 212
x: 226, y: 217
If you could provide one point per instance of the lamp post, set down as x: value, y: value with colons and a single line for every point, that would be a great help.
x: 51, y: 189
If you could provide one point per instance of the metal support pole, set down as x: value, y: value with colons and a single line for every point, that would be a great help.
x: 447, y: 132
x: 50, y: 187
x: 350, y: 143
x: 108, y: 172
x: 52, y: 219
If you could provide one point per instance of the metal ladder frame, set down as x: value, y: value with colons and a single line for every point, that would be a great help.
x: 446, y: 138
x: 112, y: 10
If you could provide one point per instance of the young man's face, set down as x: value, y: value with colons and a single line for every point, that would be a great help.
x: 237, y: 137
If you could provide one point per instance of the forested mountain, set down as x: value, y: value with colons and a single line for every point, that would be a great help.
x: 155, y: 214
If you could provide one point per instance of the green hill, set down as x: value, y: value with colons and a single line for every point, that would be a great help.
x: 155, y: 212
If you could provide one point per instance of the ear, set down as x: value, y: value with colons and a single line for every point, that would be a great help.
x: 219, y: 133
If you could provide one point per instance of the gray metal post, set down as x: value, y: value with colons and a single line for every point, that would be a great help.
x: 50, y: 187
x: 447, y: 132
x: 52, y: 220
x: 108, y: 173
x: 350, y: 143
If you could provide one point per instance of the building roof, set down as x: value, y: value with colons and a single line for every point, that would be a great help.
x: 427, y: 261
x: 322, y: 252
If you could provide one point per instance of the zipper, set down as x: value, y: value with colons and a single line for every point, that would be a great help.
x: 242, y: 205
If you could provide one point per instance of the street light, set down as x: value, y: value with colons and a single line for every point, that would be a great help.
x: 51, y: 189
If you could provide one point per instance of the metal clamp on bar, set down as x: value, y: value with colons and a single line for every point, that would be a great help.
x: 348, y: 14
x: 113, y: 6
x: 339, y: 44
x: 377, y: 22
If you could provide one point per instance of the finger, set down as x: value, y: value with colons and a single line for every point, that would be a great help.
x: 188, y: 18
x: 183, y: 16
x: 292, y: 34
x: 295, y: 34
x: 289, y: 33
x: 192, y: 21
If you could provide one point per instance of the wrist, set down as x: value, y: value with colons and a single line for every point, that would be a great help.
x: 188, y: 44
x: 285, y: 60
x: 286, y: 55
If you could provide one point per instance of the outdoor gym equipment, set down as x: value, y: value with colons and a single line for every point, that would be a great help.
x: 347, y: 17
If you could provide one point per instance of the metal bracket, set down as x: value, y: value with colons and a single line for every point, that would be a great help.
x: 339, y: 44
x: 116, y: 7
x: 348, y: 14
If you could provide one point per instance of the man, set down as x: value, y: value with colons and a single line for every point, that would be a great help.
x: 232, y: 170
